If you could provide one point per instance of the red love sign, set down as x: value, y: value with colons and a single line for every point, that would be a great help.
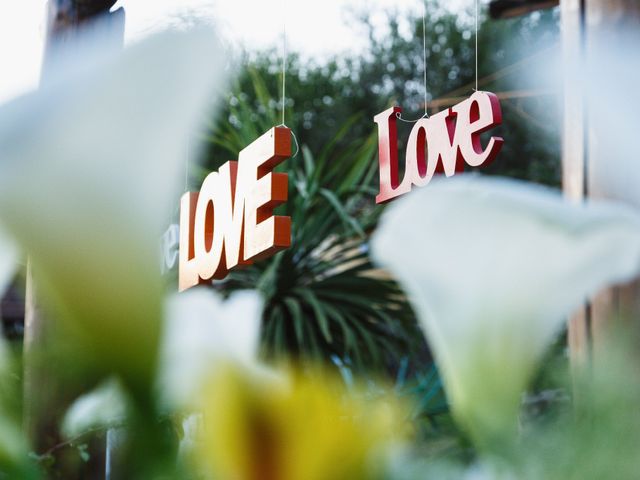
x: 229, y: 223
x: 442, y: 143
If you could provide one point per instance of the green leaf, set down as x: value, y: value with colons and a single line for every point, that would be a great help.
x: 344, y: 215
x: 297, y: 318
x: 83, y: 451
x: 318, y: 310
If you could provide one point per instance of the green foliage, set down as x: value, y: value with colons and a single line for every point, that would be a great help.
x: 322, y: 299
x: 323, y: 296
x: 322, y: 95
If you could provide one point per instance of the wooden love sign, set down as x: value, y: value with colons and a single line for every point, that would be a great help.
x: 230, y: 222
x: 450, y: 138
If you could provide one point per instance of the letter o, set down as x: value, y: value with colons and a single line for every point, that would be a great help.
x: 208, y: 240
x: 416, y: 157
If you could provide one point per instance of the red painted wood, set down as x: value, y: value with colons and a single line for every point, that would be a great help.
x: 230, y: 222
x: 442, y: 143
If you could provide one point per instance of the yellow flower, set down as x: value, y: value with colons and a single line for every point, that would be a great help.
x: 294, y: 427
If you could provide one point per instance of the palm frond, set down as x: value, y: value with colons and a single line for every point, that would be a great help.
x: 323, y: 297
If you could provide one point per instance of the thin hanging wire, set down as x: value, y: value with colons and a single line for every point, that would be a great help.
x: 424, y: 68
x: 284, y: 75
x: 476, y: 89
x: 284, y: 57
x: 424, y: 56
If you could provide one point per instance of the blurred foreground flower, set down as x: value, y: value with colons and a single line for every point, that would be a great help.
x: 292, y: 428
x: 202, y: 331
x: 13, y: 451
x: 8, y: 261
x: 103, y: 407
x: 492, y: 267
x: 88, y: 172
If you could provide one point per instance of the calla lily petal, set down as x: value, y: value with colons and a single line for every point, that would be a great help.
x: 202, y: 332
x: 8, y: 261
x: 90, y: 165
x: 104, y: 406
x: 493, y: 267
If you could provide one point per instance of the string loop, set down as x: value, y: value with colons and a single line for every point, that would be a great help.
x: 406, y: 120
x: 295, y: 140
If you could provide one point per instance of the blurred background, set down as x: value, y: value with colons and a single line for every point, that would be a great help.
x: 324, y: 300
x: 346, y: 62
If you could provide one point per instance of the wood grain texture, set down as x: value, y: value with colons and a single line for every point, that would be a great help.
x: 592, y: 31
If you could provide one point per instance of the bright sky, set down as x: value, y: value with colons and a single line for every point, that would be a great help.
x: 313, y: 27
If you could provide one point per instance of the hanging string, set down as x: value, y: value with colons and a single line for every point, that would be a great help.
x: 284, y: 75
x: 476, y: 89
x: 424, y: 55
x: 424, y: 68
x: 406, y: 120
x: 284, y: 56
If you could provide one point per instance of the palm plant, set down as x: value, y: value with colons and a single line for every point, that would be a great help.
x: 324, y: 299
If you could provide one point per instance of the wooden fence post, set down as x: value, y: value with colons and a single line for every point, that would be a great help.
x: 573, y: 148
x: 590, y: 28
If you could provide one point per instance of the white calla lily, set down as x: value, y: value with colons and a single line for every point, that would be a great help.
x: 8, y: 267
x: 104, y: 406
x: 12, y: 447
x: 201, y: 332
x: 8, y: 261
x: 90, y: 165
x: 493, y: 267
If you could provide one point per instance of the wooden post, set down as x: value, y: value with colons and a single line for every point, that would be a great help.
x: 573, y: 149
x: 589, y: 29
x: 45, y: 399
x: 608, y: 26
